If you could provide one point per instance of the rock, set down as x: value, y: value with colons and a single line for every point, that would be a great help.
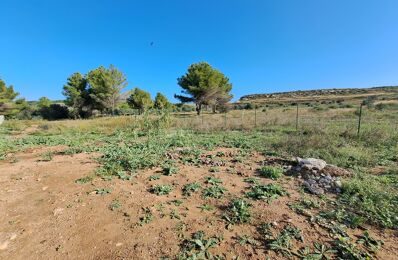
x: 57, y: 211
x: 311, y: 163
x: 314, y: 188
x: 4, y: 245
x: 337, y: 183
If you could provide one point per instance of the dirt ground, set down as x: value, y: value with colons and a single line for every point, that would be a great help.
x: 45, y: 214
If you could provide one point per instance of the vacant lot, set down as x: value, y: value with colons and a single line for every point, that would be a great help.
x: 142, y: 188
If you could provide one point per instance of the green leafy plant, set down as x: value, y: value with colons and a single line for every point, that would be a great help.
x: 283, y: 242
x: 253, y: 180
x: 206, y: 207
x: 238, y: 212
x: 271, y: 172
x: 198, y: 247
x: 347, y: 250
x: 115, y: 204
x: 373, y: 245
x: 190, y: 188
x: 245, y: 239
x: 47, y: 156
x: 214, y: 192
x: 161, y: 189
x: 213, y: 180
x: 103, y: 191
x: 154, y: 177
x: 84, y: 180
x: 169, y: 169
x: 267, y: 192
x: 147, y: 218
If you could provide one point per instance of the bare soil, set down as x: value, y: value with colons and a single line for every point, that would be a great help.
x: 45, y: 214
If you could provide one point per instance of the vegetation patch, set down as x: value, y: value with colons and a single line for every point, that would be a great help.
x: 267, y: 192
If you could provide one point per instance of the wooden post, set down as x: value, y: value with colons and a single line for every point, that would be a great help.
x: 359, y: 120
x: 297, y: 114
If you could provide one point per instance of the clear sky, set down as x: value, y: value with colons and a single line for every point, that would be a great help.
x: 261, y: 45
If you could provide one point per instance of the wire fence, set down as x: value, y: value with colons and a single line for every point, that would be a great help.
x: 297, y: 119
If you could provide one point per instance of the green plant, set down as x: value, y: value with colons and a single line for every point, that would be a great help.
x: 214, y: 192
x: 147, y: 218
x: 154, y: 177
x: 177, y: 202
x: 347, y: 250
x: 213, y: 180
x: 321, y: 252
x: 253, y: 180
x: 161, y: 189
x: 271, y: 172
x: 238, y: 212
x: 267, y: 192
x: 214, y: 169
x: 190, y: 188
x: 103, y: 191
x: 84, y: 180
x: 206, y: 207
x: 245, y: 239
x: 169, y: 169
x: 174, y: 214
x: 283, y: 242
x: 198, y: 247
x: 115, y: 204
x: 370, y: 198
x: 47, y: 156
x: 373, y: 245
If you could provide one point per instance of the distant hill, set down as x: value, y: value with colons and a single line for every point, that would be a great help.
x: 343, y: 94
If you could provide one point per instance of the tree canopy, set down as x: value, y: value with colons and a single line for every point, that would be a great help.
x: 161, y: 102
x: 204, y: 85
x: 7, y: 96
x: 105, y: 86
x: 75, y: 91
x: 140, y: 99
x: 100, y: 89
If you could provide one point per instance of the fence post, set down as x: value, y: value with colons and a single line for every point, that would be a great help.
x: 359, y: 120
x: 241, y: 118
x: 297, y: 114
x: 225, y: 120
x: 255, y: 116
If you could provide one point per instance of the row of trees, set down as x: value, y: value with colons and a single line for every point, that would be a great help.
x: 101, y: 90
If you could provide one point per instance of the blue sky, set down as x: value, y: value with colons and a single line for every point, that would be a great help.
x: 261, y: 45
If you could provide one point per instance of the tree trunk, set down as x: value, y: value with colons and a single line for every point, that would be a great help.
x: 198, y: 108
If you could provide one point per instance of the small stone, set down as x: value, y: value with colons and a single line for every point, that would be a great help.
x: 57, y: 211
x: 4, y: 245
x: 44, y: 188
x: 337, y: 183
x: 119, y: 244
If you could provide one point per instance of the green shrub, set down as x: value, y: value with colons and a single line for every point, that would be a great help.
x: 161, y: 189
x: 271, y: 172
x: 238, y: 212
x: 266, y: 192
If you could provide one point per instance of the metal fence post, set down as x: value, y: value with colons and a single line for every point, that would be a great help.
x: 255, y: 116
x: 359, y: 120
x: 297, y: 114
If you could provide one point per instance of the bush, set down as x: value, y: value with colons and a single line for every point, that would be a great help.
x: 54, y: 112
x: 271, y: 172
